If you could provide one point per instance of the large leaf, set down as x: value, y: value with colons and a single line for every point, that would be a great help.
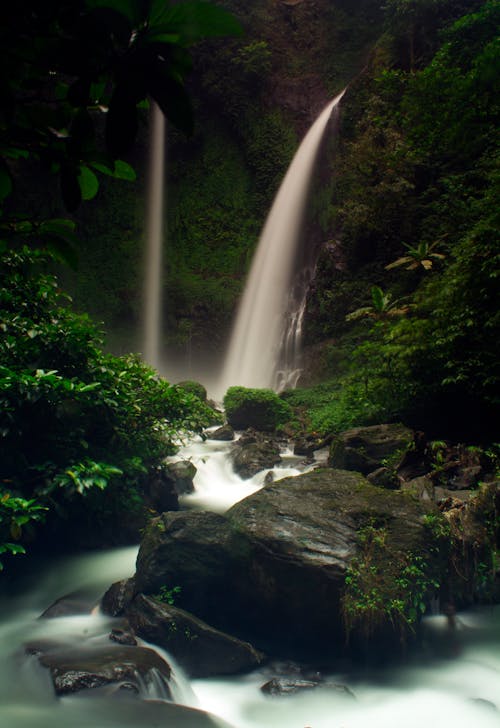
x: 171, y: 97
x: 63, y: 251
x: 117, y: 169
x: 378, y: 298
x: 59, y: 237
x: 121, y: 123
x: 89, y: 184
x: 70, y: 188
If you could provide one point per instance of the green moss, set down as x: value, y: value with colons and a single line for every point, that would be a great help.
x: 259, y: 408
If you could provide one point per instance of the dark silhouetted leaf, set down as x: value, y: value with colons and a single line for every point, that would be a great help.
x: 89, y: 184
x: 63, y: 251
x: 70, y: 188
x: 117, y: 169
x: 171, y: 97
x: 121, y: 123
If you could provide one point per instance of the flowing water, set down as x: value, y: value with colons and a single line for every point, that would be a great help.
x: 154, y: 240
x: 454, y: 681
x: 253, y: 353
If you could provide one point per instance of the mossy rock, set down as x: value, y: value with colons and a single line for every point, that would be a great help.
x: 193, y: 388
x: 262, y: 409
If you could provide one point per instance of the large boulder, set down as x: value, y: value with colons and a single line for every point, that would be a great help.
x: 366, y: 449
x: 262, y: 409
x: 292, y: 566
x: 182, y: 474
x: 198, y: 648
x: 254, y: 452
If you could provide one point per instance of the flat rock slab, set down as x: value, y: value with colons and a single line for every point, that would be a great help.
x: 73, y: 669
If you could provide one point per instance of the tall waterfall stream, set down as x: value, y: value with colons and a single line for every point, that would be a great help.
x: 457, y: 690
x: 253, y: 355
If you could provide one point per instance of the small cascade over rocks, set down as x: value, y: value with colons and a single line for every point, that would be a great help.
x: 290, y: 359
x: 254, y: 350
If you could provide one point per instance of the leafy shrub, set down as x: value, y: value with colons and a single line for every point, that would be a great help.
x: 73, y: 419
x: 259, y: 408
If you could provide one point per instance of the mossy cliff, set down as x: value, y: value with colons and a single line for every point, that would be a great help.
x: 254, y: 97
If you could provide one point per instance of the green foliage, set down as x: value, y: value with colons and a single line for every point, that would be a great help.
x: 17, y: 514
x: 73, y: 419
x: 92, y: 56
x: 168, y: 595
x: 259, y: 408
x: 421, y: 255
x: 381, y: 587
x: 382, y: 307
x: 425, y: 145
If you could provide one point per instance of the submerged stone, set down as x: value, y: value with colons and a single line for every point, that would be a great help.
x: 73, y: 669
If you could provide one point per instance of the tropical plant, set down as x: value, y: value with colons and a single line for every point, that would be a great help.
x: 420, y: 256
x: 383, y: 307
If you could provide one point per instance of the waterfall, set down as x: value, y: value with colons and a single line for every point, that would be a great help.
x: 253, y: 353
x: 289, y: 362
x: 154, y: 240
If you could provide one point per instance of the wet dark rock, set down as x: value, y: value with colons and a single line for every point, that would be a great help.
x: 463, y: 478
x: 159, y: 489
x: 200, y: 650
x: 122, y: 637
x: 378, y: 441
x: 224, y: 434
x: 182, y: 474
x: 308, y: 444
x: 364, y: 448
x: 384, y: 478
x: 284, y: 551
x: 254, y: 452
x: 73, y: 669
x: 288, y: 686
x: 280, y: 686
x: 422, y: 488
x: 118, y: 597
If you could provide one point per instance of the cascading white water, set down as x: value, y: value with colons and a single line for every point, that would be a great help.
x: 154, y: 240
x: 455, y: 683
x: 289, y: 366
x: 253, y: 349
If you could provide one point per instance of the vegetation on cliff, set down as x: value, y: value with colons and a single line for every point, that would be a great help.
x: 414, y: 208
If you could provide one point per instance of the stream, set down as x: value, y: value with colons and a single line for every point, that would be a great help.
x: 455, y: 680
